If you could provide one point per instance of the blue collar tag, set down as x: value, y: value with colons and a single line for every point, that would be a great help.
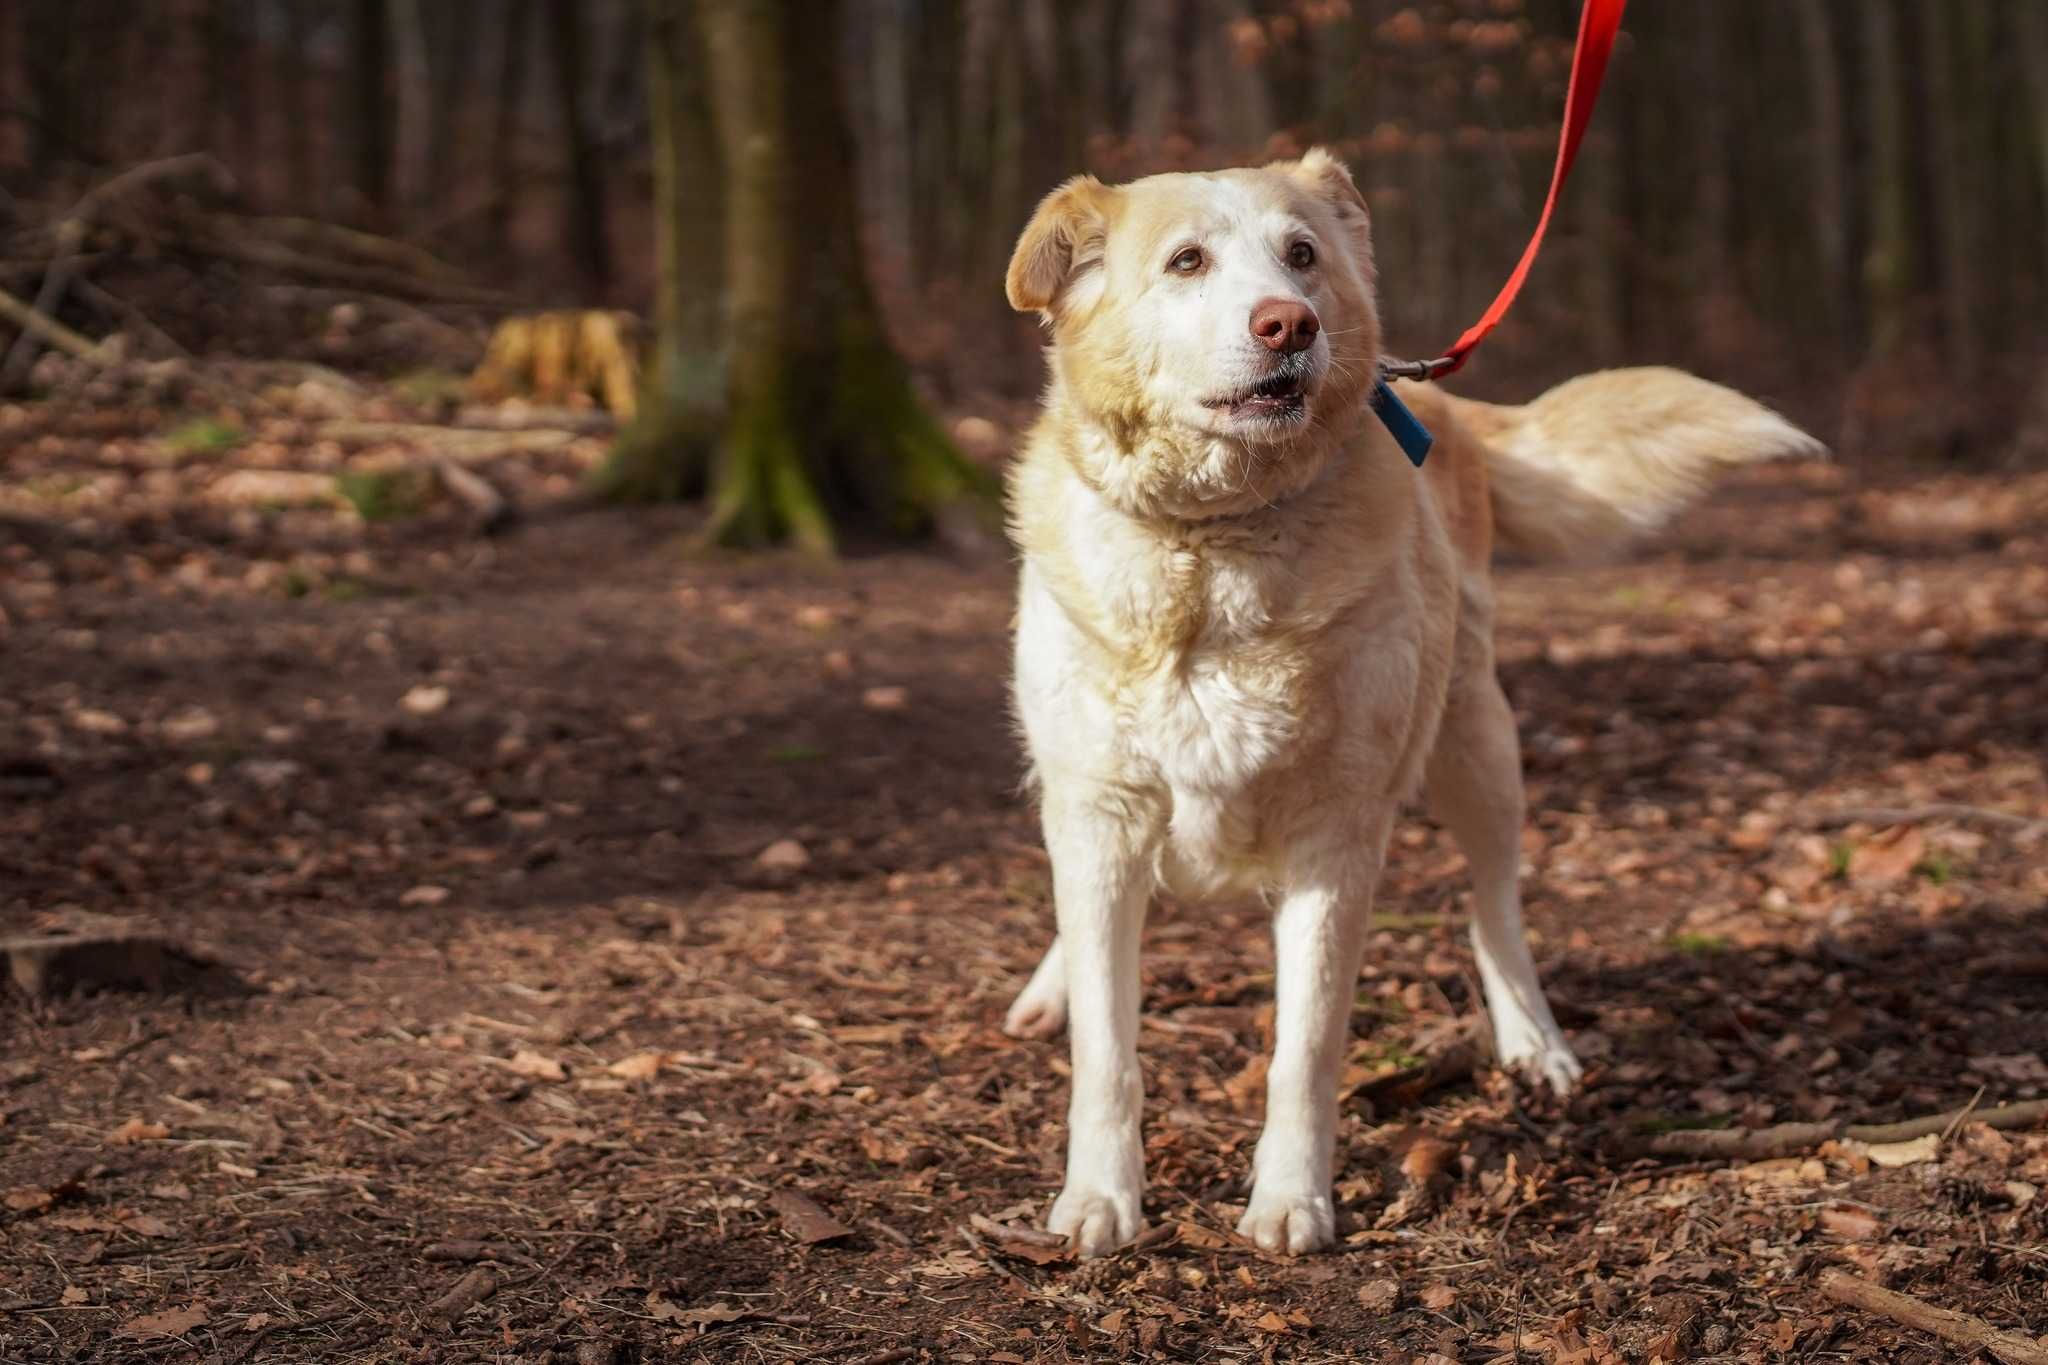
x: 1409, y: 433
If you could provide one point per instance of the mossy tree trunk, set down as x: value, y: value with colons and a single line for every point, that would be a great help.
x: 817, y: 427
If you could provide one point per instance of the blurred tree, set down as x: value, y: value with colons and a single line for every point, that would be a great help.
x: 587, y: 215
x: 817, y: 424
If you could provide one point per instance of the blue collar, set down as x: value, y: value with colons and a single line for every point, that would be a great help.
x: 1408, y: 431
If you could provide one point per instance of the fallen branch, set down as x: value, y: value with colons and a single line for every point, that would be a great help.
x: 492, y: 511
x: 50, y: 330
x: 1790, y: 1139
x: 1920, y: 815
x: 462, y: 443
x: 1960, y: 1329
x: 468, y: 1253
x: 469, y: 1291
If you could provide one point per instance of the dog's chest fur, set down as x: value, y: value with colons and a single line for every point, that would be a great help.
x: 1212, y: 666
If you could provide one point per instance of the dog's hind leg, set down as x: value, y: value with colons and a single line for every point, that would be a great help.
x: 1475, y: 789
x: 1040, y: 1009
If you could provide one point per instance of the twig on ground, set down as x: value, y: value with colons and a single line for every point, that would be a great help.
x: 469, y: 1291
x: 465, y: 1252
x: 476, y: 493
x: 1919, y: 815
x: 52, y: 331
x: 1790, y: 1139
x: 888, y: 1357
x: 1961, y: 1329
x: 266, y: 1333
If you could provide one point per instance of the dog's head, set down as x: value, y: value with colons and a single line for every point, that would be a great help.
x: 1216, y: 333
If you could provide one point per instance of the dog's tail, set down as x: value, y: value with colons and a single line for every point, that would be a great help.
x: 1605, y: 458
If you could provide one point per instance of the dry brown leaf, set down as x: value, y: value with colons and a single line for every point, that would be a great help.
x: 527, y: 1062
x: 661, y: 1310
x: 147, y: 1225
x: 1379, y: 1296
x: 805, y: 1218
x: 1851, y: 1224
x: 138, y: 1130
x: 641, y: 1066
x: 1889, y: 858
x: 1438, y: 1297
x: 1112, y: 1322
x: 876, y: 1035
x: 172, y: 1323
x: 1923, y: 1148
x: 256, y: 1322
x: 1272, y: 1322
x: 75, y: 1294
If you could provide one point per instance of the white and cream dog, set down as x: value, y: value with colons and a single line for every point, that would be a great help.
x: 1249, y: 629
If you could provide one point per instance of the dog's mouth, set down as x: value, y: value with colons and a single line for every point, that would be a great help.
x: 1281, y: 396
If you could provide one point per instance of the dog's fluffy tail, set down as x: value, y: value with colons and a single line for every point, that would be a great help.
x: 1605, y: 458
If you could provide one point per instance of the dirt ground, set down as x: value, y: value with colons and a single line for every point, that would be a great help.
x: 610, y: 944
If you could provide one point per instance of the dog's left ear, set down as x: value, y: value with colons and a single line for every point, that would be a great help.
x: 1063, y: 239
x: 1329, y: 179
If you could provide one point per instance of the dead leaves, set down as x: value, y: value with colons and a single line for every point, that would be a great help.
x: 137, y: 1130
x: 175, y: 1322
x: 537, y: 1066
x: 805, y: 1219
x: 1889, y: 858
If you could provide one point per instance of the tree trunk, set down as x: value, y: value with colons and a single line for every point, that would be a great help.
x: 515, y: 42
x: 1945, y: 30
x: 820, y: 426
x: 1828, y: 161
x: 1888, y: 259
x: 2032, y: 21
x: 370, y: 43
x: 298, y: 112
x: 587, y: 217
x: 663, y: 455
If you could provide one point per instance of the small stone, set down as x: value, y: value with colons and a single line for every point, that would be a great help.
x: 784, y: 855
x: 191, y: 724
x: 425, y: 700
x: 885, y: 698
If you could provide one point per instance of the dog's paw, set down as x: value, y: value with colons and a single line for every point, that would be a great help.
x: 1541, y: 1060
x: 1097, y: 1222
x: 1039, y: 1011
x: 1292, y: 1223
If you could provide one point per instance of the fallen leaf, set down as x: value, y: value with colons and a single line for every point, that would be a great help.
x: 1112, y: 1322
x: 1272, y: 1322
x: 1438, y: 1297
x: 1889, y: 858
x: 784, y: 855
x: 147, y: 1225
x: 1850, y: 1224
x: 256, y: 1322
x: 75, y: 1294
x: 661, y: 1310
x: 174, y: 1323
x: 1923, y: 1148
x: 1379, y: 1296
x: 805, y: 1218
x: 424, y: 894
x: 170, y: 1189
x: 873, y: 1035
x: 138, y: 1130
x: 885, y: 698
x: 527, y: 1062
x: 641, y: 1066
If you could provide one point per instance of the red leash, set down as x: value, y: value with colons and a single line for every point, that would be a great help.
x: 1599, y: 21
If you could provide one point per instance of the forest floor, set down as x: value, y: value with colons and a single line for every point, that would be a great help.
x: 610, y: 946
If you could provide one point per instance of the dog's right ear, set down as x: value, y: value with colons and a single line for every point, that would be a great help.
x: 1062, y: 240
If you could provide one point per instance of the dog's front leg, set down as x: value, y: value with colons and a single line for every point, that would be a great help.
x: 1101, y: 845
x: 1318, y: 937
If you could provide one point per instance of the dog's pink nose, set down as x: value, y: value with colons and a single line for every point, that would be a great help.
x: 1285, y: 325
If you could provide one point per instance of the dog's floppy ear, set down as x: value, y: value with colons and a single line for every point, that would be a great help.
x: 1062, y: 239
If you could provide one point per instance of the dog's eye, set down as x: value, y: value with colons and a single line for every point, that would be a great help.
x: 1301, y: 255
x: 1187, y: 262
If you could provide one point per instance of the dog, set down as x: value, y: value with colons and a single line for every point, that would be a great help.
x: 1248, y: 629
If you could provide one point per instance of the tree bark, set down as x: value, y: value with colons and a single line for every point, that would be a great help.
x: 515, y: 42
x: 820, y: 427
x: 1888, y: 258
x: 369, y: 79
x: 587, y: 217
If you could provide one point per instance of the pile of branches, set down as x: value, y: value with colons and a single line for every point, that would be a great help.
x: 88, y: 280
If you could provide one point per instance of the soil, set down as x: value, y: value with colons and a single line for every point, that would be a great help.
x: 529, y: 1046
